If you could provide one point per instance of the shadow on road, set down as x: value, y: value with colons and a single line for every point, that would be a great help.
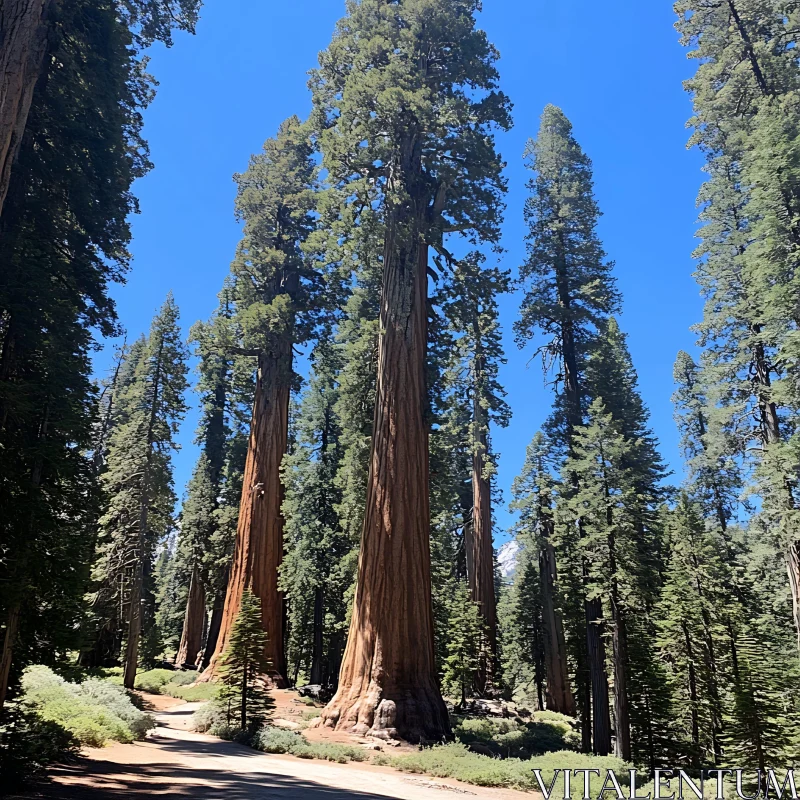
x: 104, y: 780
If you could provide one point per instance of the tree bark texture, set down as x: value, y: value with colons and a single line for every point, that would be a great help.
x: 194, y: 622
x: 214, y: 625
x: 388, y: 684
x: 482, y: 579
x: 558, y: 693
x: 23, y: 45
x: 258, y: 551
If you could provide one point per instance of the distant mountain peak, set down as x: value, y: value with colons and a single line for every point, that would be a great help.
x: 507, y: 558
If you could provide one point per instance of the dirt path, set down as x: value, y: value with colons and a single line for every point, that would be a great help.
x: 176, y: 763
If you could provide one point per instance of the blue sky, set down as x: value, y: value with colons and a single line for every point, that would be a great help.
x: 616, y: 68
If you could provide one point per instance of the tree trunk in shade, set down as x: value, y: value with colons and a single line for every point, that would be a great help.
x: 214, y: 625
x: 388, y: 683
x: 23, y: 45
x: 194, y: 622
x: 558, y: 693
x: 258, y: 551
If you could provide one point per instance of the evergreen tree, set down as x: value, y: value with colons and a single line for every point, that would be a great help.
x: 27, y: 30
x: 745, y: 94
x: 466, y: 645
x: 430, y: 154
x: 138, y: 480
x: 536, y: 651
x: 315, y: 544
x: 469, y: 304
x: 243, y: 663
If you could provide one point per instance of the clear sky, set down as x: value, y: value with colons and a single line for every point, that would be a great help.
x: 615, y: 67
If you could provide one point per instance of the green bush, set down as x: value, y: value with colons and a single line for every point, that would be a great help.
x: 28, y: 745
x: 210, y: 718
x: 278, y: 740
x: 94, y: 712
x: 191, y: 694
x: 515, y: 738
x: 456, y: 761
x: 153, y: 680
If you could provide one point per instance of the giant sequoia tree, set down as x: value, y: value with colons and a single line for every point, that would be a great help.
x: 273, y: 291
x: 405, y: 98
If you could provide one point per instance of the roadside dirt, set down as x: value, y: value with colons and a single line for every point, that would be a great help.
x: 176, y: 763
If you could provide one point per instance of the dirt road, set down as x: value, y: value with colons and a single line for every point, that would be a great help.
x: 175, y: 763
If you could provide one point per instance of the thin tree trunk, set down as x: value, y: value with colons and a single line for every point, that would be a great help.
x: 619, y: 648
x: 388, y: 684
x: 559, y: 693
x: 601, y: 714
x: 692, y: 696
x: 258, y: 552
x: 131, y: 662
x: 316, y: 655
x: 482, y: 584
x: 194, y: 621
x: 23, y: 45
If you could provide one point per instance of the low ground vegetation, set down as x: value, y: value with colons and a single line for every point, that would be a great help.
x: 518, y: 738
x: 94, y: 712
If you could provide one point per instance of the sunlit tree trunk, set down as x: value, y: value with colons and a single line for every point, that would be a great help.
x: 258, y: 551
x: 388, y: 684
x: 194, y: 622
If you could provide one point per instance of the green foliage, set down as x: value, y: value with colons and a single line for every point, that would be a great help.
x: 277, y: 740
x: 456, y: 761
x: 94, y: 711
x: 154, y: 680
x: 466, y: 645
x: 243, y: 663
x: 513, y: 738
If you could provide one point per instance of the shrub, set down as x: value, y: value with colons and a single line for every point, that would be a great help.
x: 278, y: 740
x: 212, y: 718
x: 515, y: 738
x: 456, y: 761
x: 153, y: 680
x: 191, y: 694
x: 94, y: 712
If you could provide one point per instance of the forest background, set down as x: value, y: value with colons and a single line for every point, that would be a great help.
x: 616, y: 69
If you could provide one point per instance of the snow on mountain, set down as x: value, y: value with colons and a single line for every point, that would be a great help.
x: 507, y: 558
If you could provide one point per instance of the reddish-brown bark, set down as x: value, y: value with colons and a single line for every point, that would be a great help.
x: 258, y: 552
x: 387, y: 683
x: 23, y: 44
x: 193, y: 622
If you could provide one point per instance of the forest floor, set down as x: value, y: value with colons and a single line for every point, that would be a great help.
x: 174, y: 763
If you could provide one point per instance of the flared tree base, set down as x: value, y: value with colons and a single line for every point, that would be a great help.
x: 417, y: 714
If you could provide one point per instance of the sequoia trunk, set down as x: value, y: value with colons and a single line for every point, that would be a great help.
x: 214, y: 625
x: 601, y: 715
x: 23, y: 45
x: 194, y: 621
x: 258, y: 552
x: 387, y: 683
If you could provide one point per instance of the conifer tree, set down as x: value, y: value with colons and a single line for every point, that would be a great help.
x: 316, y: 546
x: 274, y: 289
x: 465, y: 646
x: 430, y: 152
x: 745, y: 93
x: 243, y: 663
x: 569, y: 294
x: 469, y: 305
x: 27, y: 29
x: 536, y: 628
x: 138, y: 480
